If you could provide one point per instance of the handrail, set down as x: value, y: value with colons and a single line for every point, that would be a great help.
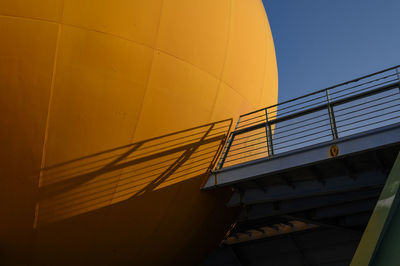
x: 267, y: 122
x: 322, y: 90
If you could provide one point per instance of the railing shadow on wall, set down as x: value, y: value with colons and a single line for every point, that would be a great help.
x: 108, y: 177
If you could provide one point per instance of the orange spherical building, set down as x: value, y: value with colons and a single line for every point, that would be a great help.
x: 87, y: 89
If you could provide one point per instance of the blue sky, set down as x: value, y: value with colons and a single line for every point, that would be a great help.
x: 320, y: 43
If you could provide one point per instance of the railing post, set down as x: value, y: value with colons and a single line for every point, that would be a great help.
x: 268, y: 131
x: 398, y: 76
x: 331, y: 117
x: 227, y: 147
x: 222, y: 153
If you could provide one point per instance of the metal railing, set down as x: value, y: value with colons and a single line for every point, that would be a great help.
x: 348, y: 108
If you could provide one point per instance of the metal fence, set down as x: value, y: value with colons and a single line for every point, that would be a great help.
x: 348, y: 108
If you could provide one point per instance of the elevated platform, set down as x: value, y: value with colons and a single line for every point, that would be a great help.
x: 308, y: 172
x: 308, y: 157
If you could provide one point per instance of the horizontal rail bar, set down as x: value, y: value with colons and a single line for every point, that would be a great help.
x: 311, y: 128
x: 335, y: 103
x: 322, y: 90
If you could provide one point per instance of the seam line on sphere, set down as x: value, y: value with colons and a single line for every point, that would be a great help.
x: 46, y: 131
x: 134, y: 127
x: 228, y: 41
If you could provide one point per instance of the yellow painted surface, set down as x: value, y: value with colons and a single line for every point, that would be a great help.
x: 85, y: 85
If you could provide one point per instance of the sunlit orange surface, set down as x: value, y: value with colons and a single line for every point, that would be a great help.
x: 112, y: 113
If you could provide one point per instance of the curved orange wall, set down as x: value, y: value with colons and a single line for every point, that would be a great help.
x: 78, y: 77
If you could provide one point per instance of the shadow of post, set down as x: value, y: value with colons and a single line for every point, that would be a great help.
x: 108, y: 177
